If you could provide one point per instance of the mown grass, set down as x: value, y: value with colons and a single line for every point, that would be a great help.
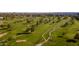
x: 59, y: 39
x: 59, y: 36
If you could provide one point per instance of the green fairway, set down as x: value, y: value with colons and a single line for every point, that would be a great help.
x: 39, y: 30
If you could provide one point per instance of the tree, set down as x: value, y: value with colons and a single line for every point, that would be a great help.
x: 76, y: 36
x: 37, y: 23
x: 32, y: 28
x: 28, y: 20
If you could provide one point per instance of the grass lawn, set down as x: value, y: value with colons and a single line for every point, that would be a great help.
x: 59, y: 36
x: 60, y: 40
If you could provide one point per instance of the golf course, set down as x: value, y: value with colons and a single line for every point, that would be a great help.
x: 39, y: 30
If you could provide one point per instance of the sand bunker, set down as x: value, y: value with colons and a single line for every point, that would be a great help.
x: 20, y: 41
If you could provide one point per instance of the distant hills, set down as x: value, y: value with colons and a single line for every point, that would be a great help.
x: 45, y: 13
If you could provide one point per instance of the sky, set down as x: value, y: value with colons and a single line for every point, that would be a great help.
x: 39, y: 6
